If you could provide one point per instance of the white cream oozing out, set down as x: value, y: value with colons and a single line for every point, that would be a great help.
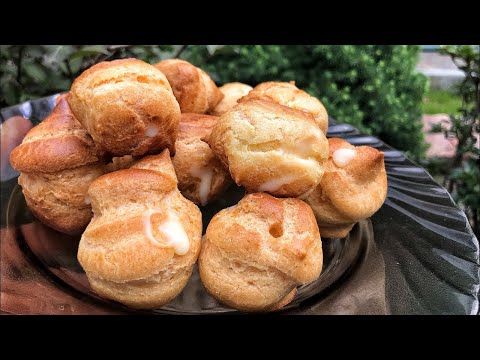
x: 205, y: 175
x: 294, y: 157
x: 151, y: 131
x: 342, y: 157
x: 172, y: 230
x: 303, y: 148
x: 276, y: 184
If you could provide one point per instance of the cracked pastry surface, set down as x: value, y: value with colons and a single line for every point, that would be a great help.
x: 57, y: 161
x: 201, y: 176
x: 141, y: 245
x: 270, y: 148
x: 194, y: 90
x: 127, y: 106
x: 353, y: 187
x: 287, y: 94
x: 254, y: 254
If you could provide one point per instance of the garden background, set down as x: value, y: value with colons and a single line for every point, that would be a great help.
x: 376, y: 88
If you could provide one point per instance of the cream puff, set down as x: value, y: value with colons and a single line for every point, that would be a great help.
x: 256, y: 253
x: 58, y: 160
x: 120, y: 163
x: 144, y: 238
x: 194, y: 89
x: 353, y: 188
x: 201, y: 176
x: 288, y: 94
x: 270, y: 148
x: 127, y: 106
x: 231, y: 93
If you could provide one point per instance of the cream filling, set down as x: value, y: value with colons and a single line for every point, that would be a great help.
x: 172, y: 230
x: 275, y: 184
x: 295, y: 158
x: 205, y: 175
x: 342, y: 157
x: 151, y: 131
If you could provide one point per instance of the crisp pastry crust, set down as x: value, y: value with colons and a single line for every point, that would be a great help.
x: 353, y: 187
x: 194, y: 90
x: 59, y: 142
x: 231, y: 93
x: 270, y: 148
x: 58, y: 160
x: 120, y: 163
x: 256, y: 252
x: 141, y: 245
x: 127, y: 106
x: 287, y: 94
x: 201, y: 176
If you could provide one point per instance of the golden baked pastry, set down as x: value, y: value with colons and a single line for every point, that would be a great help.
x: 201, y: 176
x: 120, y: 163
x: 231, y: 93
x: 127, y: 106
x: 288, y: 94
x: 353, y: 188
x: 144, y: 238
x: 270, y: 148
x: 256, y: 252
x: 58, y: 160
x: 193, y: 88
x: 60, y: 97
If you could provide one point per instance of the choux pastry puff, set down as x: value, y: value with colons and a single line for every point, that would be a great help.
x: 201, y: 176
x: 254, y: 254
x: 194, y: 89
x: 144, y: 238
x: 353, y: 188
x: 127, y: 106
x: 270, y: 148
x: 288, y: 94
x: 232, y: 92
x: 58, y: 160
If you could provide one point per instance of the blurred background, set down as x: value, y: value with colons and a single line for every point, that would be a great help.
x: 423, y: 100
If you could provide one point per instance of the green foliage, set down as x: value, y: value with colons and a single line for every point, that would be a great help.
x: 375, y: 88
x: 462, y: 173
x: 467, y: 179
x: 441, y: 102
x: 29, y: 71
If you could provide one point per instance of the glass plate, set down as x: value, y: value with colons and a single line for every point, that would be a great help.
x: 416, y: 255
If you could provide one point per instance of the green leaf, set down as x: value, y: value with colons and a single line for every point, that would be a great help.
x: 36, y: 71
x: 89, y: 50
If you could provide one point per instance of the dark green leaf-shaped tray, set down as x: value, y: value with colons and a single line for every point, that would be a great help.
x: 416, y: 255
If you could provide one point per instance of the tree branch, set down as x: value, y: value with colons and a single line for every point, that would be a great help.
x: 180, y: 51
x: 19, y: 66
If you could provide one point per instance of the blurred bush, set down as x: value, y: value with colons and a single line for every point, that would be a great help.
x: 461, y: 173
x: 375, y: 88
x: 30, y: 71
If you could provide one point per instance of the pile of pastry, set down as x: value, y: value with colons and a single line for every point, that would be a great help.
x: 130, y: 153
